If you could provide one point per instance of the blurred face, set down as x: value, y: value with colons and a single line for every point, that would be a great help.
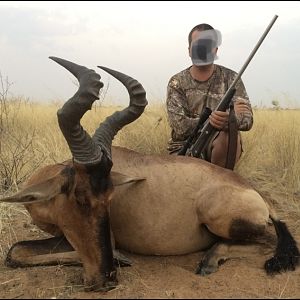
x: 204, y: 47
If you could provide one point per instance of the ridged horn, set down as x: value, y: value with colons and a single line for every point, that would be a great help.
x: 84, y: 150
x: 110, y: 127
x: 136, y: 91
x: 75, y: 69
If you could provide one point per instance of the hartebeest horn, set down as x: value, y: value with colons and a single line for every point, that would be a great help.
x: 84, y: 149
x: 112, y: 124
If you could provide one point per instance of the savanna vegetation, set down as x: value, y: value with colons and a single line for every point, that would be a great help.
x: 30, y: 138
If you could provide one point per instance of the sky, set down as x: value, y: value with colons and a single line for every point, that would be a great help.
x: 147, y: 40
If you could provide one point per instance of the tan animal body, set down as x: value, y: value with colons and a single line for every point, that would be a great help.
x: 153, y: 204
x: 164, y: 212
x: 186, y: 205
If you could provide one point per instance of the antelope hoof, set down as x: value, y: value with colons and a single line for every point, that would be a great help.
x: 121, y: 260
x: 110, y: 282
x: 206, y: 267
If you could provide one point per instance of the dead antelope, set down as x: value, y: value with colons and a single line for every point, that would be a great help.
x: 161, y: 204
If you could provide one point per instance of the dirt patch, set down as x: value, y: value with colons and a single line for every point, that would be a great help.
x: 149, y: 277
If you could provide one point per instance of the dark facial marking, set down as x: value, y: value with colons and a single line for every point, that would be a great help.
x: 107, y: 266
x: 68, y: 172
x: 99, y: 175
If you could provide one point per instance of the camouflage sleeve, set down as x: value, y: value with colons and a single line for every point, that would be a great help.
x: 245, y: 119
x: 178, y: 114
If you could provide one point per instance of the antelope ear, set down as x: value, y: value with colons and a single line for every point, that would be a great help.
x: 41, y: 191
x: 120, y: 179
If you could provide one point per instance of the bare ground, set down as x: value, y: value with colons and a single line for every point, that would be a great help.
x: 149, y: 277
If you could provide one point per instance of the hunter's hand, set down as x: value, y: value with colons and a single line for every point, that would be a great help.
x: 219, y: 119
x: 240, y: 107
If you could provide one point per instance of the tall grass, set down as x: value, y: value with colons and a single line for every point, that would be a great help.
x: 271, y: 158
x: 270, y: 161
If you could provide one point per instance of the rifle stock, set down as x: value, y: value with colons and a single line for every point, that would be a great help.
x: 208, y: 130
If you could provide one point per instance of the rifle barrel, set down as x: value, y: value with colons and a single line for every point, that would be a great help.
x: 239, y: 75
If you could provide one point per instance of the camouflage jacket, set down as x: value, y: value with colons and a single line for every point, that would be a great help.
x: 187, y: 97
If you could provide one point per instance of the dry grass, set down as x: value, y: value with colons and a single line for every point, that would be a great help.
x: 31, y: 138
x: 271, y: 158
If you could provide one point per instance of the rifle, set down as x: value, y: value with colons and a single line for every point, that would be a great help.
x: 192, y: 138
x: 199, y: 139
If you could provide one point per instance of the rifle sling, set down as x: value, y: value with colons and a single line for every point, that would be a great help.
x: 232, y: 139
